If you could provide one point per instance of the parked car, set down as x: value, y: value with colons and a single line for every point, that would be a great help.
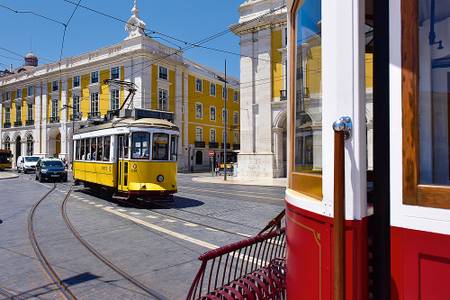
x: 27, y: 164
x: 50, y: 168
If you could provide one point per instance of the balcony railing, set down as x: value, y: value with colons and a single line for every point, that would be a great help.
x: 228, y: 146
x: 200, y: 144
x: 7, y: 125
x: 94, y: 115
x: 213, y: 145
x: 77, y: 117
x: 54, y: 119
x: 17, y: 123
x: 236, y: 146
x: 283, y: 95
x: 29, y: 122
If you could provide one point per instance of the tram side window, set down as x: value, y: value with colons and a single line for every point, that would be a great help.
x: 173, y: 147
x: 106, y: 148
x: 77, y: 150
x: 141, y: 145
x: 160, y: 146
x: 82, y: 149
x: 99, y: 156
x: 93, y: 153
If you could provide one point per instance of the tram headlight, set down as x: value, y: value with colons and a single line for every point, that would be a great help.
x: 160, y: 178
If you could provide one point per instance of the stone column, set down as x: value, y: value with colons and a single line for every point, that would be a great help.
x: 278, y: 168
x: 37, y: 119
x: 65, y: 139
x: 44, y: 120
x: 179, y: 114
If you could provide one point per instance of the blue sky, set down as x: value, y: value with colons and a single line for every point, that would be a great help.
x: 87, y: 31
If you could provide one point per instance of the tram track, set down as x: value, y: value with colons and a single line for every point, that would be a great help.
x: 54, y: 277
x: 101, y: 257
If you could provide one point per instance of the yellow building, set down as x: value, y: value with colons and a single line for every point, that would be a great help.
x: 42, y: 104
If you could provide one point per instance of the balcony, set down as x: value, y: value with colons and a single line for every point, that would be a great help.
x: 77, y: 117
x: 54, y: 119
x: 199, y: 144
x: 29, y: 122
x: 7, y: 125
x: 228, y: 146
x: 213, y: 145
x: 236, y: 146
x: 94, y: 115
x: 283, y: 95
x: 17, y: 123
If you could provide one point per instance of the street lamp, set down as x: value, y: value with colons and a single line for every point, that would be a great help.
x: 224, y: 80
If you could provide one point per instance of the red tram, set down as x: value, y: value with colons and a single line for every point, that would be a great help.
x: 368, y: 199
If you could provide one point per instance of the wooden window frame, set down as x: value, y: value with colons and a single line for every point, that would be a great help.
x: 304, y: 183
x: 414, y: 193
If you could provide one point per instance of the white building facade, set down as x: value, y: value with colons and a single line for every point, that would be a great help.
x: 263, y: 88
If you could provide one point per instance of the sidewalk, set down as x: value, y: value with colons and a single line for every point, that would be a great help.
x: 281, y: 182
x: 8, y: 175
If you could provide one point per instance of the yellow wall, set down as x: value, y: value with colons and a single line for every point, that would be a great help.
x: 104, y: 95
x: 172, y: 90
x: 13, y: 108
x: 154, y: 104
x: 314, y: 71
x: 204, y: 98
x: 277, y: 67
x: 85, y: 97
x: 369, y: 70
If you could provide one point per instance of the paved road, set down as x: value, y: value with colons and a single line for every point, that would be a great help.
x: 157, y: 245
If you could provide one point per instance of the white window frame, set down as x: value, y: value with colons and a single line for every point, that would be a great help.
x: 73, y: 81
x: 159, y: 73
x: 114, y: 99
x: 98, y: 77
x: 211, y: 139
x: 197, y: 89
x: 30, y: 111
x: 215, y: 113
x: 211, y: 89
x: 201, y: 110
x: 30, y: 88
x: 75, y: 105
x: 7, y: 114
x: 235, y: 118
x: 53, y: 85
x: 55, y: 108
x: 164, y: 107
x: 96, y: 102
x: 111, y: 72
x: 197, y: 130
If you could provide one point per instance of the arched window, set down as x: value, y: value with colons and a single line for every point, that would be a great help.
x: 30, y: 145
x: 199, y: 158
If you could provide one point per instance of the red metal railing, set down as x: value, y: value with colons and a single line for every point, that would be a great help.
x: 250, y: 269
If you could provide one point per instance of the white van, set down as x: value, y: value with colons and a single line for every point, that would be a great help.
x: 27, y: 164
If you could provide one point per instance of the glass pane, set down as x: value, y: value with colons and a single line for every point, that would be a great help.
x: 106, y: 148
x: 308, y: 99
x: 434, y: 91
x: 140, y: 145
x: 160, y: 146
x: 173, y: 147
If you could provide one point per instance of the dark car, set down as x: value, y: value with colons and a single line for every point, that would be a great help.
x: 50, y: 169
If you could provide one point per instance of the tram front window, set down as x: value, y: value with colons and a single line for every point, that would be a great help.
x: 160, y: 146
x: 141, y: 144
x: 173, y: 147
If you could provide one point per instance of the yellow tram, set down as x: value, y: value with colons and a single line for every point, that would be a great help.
x: 5, y: 159
x: 136, y: 158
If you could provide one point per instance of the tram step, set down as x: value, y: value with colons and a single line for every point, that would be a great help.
x: 120, y: 197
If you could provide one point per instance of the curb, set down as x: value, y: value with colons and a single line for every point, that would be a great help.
x: 8, y: 176
x: 243, y: 182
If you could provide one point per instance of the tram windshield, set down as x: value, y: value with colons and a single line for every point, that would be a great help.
x: 5, y: 157
x: 160, y: 146
x: 141, y: 145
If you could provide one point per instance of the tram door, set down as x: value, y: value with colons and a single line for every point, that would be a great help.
x: 122, y: 162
